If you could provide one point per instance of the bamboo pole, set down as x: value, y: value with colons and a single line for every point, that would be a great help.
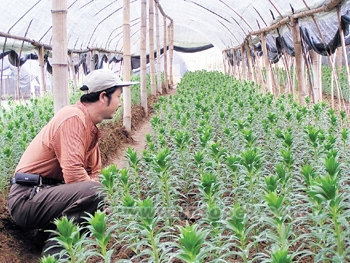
x: 126, y: 65
x: 334, y: 80
x: 338, y: 66
x: 109, y: 57
x: 171, y: 53
x: 2, y: 90
x: 159, y: 77
x: 253, y: 62
x: 18, y: 66
x: 239, y: 72
x: 273, y: 78
x: 37, y: 44
x: 250, y: 63
x: 289, y: 81
x: 143, y: 73
x: 244, y: 64
x: 338, y: 61
x: 298, y: 60
x: 260, y: 78
x: 165, y: 56
x: 326, y: 7
x: 230, y: 66
x: 72, y: 70
x: 308, y: 71
x: 234, y: 59
x: 59, y: 54
x: 92, y: 61
x: 42, y: 74
x: 344, y: 50
x: 316, y: 75
x: 224, y: 60
x: 239, y: 65
x: 266, y: 64
x: 151, y: 47
x: 332, y: 88
x: 320, y: 78
x: 337, y: 85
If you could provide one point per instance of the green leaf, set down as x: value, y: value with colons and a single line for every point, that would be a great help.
x: 191, y: 240
x: 274, y: 201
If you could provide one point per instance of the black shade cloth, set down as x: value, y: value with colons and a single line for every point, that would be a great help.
x: 325, y: 49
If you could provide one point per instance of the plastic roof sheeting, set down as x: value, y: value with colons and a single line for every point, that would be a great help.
x: 99, y: 23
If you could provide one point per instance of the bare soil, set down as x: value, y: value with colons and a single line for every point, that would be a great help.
x: 23, y: 246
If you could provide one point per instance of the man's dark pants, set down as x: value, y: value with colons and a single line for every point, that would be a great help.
x: 72, y: 200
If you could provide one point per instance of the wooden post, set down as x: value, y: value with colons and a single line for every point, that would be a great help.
x: 159, y: 77
x: 42, y: 71
x: 165, y: 56
x: 126, y: 65
x: 151, y: 47
x: 59, y: 54
x: 143, y: 73
x: 298, y: 60
x: 266, y: 64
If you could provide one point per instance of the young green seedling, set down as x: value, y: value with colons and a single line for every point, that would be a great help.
x: 69, y: 238
x: 97, y: 225
x: 108, y: 178
x: 134, y: 161
x: 190, y: 244
x: 237, y: 223
x: 251, y: 160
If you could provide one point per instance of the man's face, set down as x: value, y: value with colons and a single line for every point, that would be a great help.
x: 114, y: 104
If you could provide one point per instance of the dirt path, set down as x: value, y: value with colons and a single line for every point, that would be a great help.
x: 138, y: 144
x: 139, y: 139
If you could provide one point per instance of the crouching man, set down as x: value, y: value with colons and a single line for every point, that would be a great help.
x: 58, y: 173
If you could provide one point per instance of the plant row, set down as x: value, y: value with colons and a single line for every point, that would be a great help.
x: 228, y: 175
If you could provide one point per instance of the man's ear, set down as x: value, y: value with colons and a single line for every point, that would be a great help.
x: 103, y: 96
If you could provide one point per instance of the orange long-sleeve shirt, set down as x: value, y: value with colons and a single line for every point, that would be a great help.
x: 66, y: 148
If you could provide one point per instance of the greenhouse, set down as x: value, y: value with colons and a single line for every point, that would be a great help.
x: 175, y: 131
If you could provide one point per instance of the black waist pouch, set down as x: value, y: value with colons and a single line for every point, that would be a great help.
x: 27, y: 179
